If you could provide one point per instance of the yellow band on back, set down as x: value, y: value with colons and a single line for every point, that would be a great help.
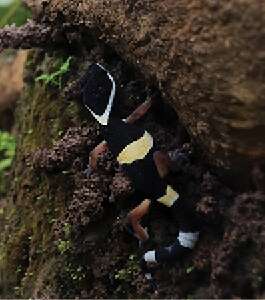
x: 136, y: 150
x: 169, y: 198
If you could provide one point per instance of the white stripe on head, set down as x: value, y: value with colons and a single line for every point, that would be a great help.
x: 104, y: 118
x: 150, y: 256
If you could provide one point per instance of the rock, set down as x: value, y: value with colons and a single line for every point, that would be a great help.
x: 205, y: 57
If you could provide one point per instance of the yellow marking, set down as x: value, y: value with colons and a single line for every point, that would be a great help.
x: 169, y: 198
x: 136, y: 150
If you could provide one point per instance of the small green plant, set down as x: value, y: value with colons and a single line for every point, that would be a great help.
x: 17, y: 290
x: 19, y: 269
x: 128, y: 273
x: 55, y: 78
x: 7, y: 153
x: 7, y: 150
x: 64, y: 245
x: 76, y: 273
x: 189, y: 269
x: 67, y: 230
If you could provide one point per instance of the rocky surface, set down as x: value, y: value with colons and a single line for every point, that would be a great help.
x: 62, y: 233
x: 206, y: 58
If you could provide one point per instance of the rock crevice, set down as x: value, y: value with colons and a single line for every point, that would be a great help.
x: 206, y: 58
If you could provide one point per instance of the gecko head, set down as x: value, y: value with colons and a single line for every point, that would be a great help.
x: 99, y: 92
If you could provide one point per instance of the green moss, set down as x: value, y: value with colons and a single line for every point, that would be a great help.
x: 42, y: 116
x: 126, y: 276
x: 43, y: 112
x: 14, y: 258
x: 128, y: 272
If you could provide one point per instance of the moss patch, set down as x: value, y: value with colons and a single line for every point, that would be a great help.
x: 37, y: 201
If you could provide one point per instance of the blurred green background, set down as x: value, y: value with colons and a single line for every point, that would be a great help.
x: 13, y: 11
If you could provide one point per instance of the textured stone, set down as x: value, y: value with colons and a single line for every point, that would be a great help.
x: 206, y: 57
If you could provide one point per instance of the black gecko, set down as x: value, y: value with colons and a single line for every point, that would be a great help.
x: 135, y: 150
